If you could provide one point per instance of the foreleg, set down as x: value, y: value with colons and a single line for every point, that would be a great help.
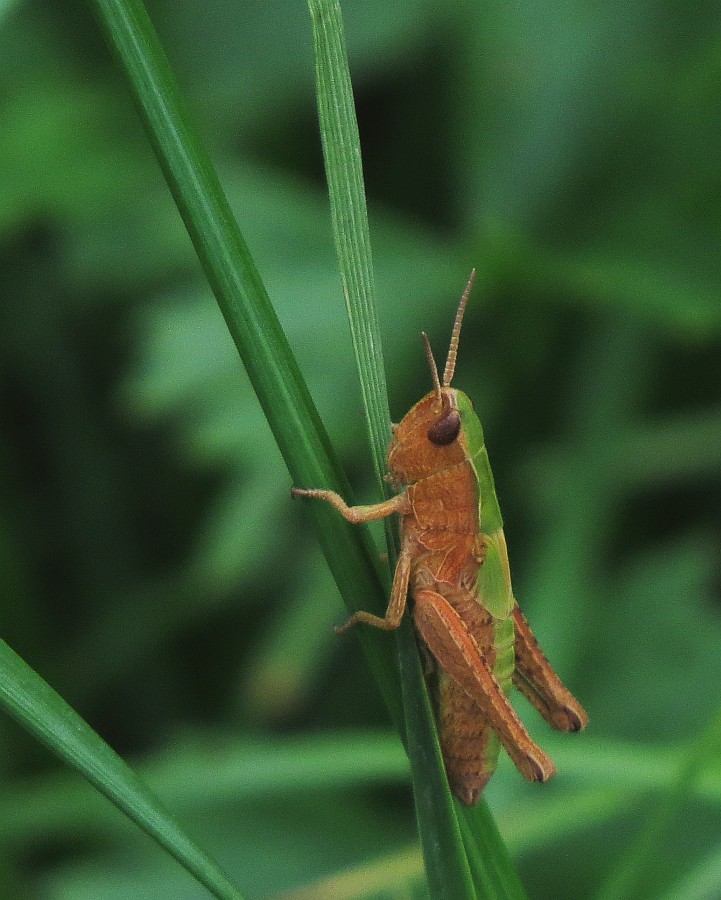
x: 356, y: 514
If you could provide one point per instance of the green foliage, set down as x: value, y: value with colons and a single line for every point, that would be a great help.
x: 152, y: 566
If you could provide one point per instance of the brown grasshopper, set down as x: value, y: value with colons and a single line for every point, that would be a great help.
x: 454, y: 560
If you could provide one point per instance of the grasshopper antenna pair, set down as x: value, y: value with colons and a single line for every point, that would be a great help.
x: 450, y: 367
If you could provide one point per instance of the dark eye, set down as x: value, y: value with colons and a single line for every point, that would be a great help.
x: 446, y: 429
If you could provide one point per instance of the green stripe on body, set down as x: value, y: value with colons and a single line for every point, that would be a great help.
x: 503, y: 641
x: 493, y: 587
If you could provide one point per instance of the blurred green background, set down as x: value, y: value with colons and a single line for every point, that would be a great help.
x: 152, y: 566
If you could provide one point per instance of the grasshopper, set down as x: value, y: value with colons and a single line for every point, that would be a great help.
x: 454, y: 562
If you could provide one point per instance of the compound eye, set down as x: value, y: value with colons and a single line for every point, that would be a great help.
x: 446, y: 429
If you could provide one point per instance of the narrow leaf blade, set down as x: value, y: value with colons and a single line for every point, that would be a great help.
x: 39, y: 709
x: 447, y: 867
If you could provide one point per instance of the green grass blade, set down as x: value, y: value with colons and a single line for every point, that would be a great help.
x: 490, y: 862
x: 248, y: 313
x: 447, y: 869
x: 36, y: 706
x: 445, y: 856
x: 341, y: 151
x: 446, y: 864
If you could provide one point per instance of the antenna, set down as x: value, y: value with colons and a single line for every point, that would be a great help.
x: 456, y: 333
x: 432, y: 364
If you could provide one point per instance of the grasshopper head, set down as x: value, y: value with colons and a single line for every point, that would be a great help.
x: 429, y: 437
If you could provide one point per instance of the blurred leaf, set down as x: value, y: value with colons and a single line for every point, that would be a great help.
x: 283, y: 665
x: 703, y: 882
x: 661, y: 617
x: 629, y: 876
x: 205, y: 770
x: 394, y: 875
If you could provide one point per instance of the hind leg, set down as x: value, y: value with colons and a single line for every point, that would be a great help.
x: 536, y: 680
x: 457, y: 653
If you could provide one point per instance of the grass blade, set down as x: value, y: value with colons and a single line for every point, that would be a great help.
x: 341, y: 151
x: 446, y: 864
x: 491, y: 865
x: 36, y: 706
x: 445, y: 856
x: 246, y: 308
